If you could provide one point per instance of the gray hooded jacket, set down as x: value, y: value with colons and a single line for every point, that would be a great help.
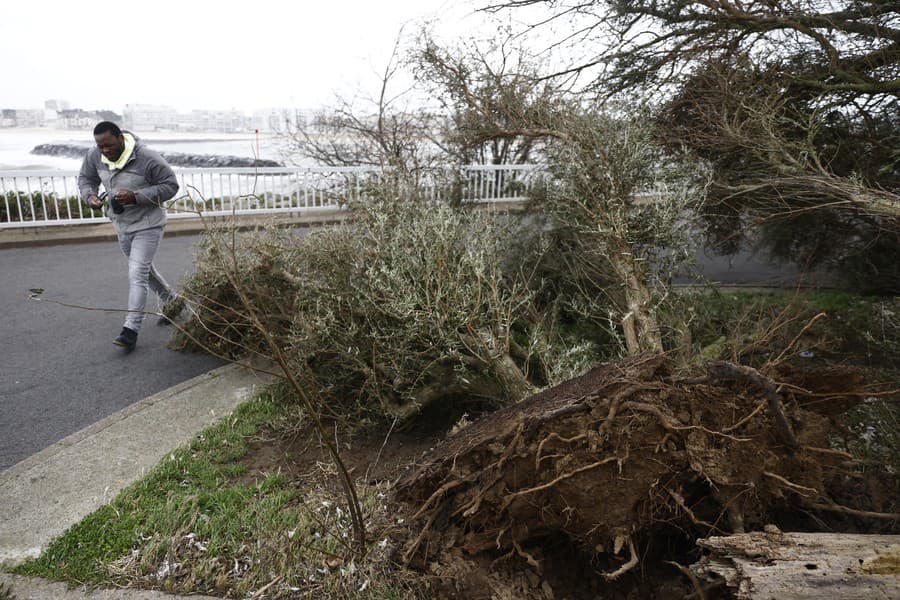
x: 146, y: 174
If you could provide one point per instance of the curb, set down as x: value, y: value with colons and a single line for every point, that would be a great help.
x: 36, y: 588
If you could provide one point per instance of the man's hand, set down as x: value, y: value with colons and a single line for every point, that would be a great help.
x: 94, y: 202
x: 124, y: 196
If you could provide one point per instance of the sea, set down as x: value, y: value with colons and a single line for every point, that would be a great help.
x: 16, y: 145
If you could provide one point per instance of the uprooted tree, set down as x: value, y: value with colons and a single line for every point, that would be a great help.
x: 403, y: 307
x: 410, y: 304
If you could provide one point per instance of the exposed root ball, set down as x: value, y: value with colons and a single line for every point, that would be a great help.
x: 609, y: 457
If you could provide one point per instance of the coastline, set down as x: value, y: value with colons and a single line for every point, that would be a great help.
x: 16, y: 145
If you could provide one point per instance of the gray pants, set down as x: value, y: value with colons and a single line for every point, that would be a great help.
x: 140, y: 248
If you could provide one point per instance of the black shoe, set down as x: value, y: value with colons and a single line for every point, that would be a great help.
x: 127, y: 339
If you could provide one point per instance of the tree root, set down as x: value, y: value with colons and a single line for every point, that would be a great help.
x: 563, y: 477
x: 698, y: 589
x: 545, y: 467
x: 553, y: 436
x: 437, y: 494
x: 721, y: 370
x: 865, y: 514
x: 800, y: 489
x: 632, y: 562
x: 679, y: 500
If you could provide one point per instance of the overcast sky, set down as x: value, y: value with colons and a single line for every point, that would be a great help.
x: 205, y: 53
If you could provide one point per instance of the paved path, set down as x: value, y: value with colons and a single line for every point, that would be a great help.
x: 59, y: 371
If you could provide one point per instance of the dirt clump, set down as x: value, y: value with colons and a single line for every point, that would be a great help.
x: 618, y: 472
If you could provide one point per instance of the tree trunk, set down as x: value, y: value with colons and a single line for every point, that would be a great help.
x: 772, y: 564
x: 639, y: 324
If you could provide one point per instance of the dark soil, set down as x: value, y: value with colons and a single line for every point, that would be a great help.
x: 373, y: 456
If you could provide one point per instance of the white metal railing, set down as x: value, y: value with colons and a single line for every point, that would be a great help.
x: 41, y: 198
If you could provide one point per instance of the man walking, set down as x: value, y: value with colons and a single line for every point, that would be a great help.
x: 137, y: 182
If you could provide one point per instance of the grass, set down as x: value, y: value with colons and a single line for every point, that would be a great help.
x: 195, y: 475
x: 199, y: 522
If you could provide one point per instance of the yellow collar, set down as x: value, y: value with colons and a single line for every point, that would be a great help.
x: 123, y: 158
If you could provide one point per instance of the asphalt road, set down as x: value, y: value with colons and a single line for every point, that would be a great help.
x: 59, y: 371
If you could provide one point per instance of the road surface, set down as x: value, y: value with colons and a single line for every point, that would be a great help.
x: 59, y: 371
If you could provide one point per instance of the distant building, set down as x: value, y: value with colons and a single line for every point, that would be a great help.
x: 56, y: 104
x: 224, y: 121
x: 281, y: 120
x: 7, y: 117
x: 109, y: 115
x: 74, y: 119
x: 77, y: 118
x: 149, y: 117
x: 57, y: 113
x: 22, y: 117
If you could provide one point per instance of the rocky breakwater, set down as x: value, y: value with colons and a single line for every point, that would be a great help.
x: 176, y: 159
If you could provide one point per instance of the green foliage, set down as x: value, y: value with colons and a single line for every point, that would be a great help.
x: 404, y: 306
x: 755, y: 325
x: 752, y: 328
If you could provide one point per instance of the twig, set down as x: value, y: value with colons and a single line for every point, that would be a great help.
x: 263, y: 589
x: 840, y: 453
x: 756, y: 410
x: 834, y: 507
x: 679, y: 500
x: 796, y: 338
x: 380, y: 450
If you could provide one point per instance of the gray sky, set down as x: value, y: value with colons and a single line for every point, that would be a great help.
x: 205, y: 53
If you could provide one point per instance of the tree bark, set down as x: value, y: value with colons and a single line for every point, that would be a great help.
x: 772, y: 564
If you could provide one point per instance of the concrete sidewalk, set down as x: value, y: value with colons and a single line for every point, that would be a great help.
x: 52, y: 490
